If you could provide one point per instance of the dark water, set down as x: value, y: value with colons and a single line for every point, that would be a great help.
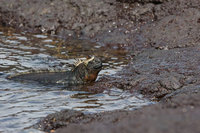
x: 23, y: 104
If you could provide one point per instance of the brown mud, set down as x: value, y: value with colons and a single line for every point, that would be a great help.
x: 163, y: 39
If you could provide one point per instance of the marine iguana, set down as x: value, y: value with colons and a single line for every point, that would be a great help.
x: 84, y: 71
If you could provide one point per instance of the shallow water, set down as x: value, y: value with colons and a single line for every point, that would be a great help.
x: 23, y: 104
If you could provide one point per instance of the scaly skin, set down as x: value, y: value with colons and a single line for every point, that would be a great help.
x: 85, y: 71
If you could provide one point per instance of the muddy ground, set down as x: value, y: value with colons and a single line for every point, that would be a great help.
x: 163, y: 39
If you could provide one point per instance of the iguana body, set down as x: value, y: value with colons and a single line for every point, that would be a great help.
x: 85, y: 71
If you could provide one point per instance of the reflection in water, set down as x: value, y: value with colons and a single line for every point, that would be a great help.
x: 22, y: 104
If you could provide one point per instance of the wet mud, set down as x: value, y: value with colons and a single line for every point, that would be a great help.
x: 163, y: 39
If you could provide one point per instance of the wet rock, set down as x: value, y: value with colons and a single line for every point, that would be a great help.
x: 67, y: 117
x: 174, y: 31
x: 185, y: 97
x: 187, y: 90
x: 61, y: 31
x: 58, y: 120
x: 170, y: 83
x: 89, y: 19
x: 162, y: 24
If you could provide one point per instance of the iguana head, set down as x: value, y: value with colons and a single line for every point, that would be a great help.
x: 88, y: 69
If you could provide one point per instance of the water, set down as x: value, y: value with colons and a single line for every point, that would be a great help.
x: 23, y: 104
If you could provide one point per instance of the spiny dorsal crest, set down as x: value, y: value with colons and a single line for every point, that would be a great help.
x: 86, y: 61
x: 78, y: 62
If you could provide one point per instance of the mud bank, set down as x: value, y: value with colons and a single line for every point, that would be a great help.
x: 163, y: 39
